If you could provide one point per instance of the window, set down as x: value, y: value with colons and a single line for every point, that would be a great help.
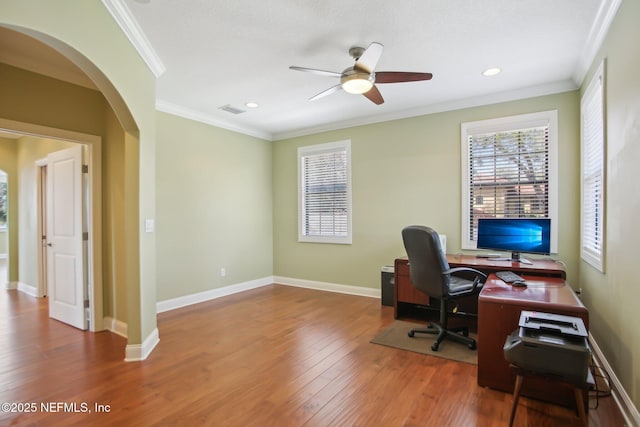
x: 324, y: 176
x: 509, y: 168
x: 3, y: 201
x: 592, y: 169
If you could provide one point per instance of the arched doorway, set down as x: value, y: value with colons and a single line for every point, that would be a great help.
x: 138, y: 278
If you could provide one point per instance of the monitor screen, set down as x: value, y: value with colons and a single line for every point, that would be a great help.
x: 532, y: 235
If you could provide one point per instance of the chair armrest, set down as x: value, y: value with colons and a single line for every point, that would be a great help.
x: 479, y: 275
x: 465, y: 269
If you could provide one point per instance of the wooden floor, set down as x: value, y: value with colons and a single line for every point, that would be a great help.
x: 274, y: 356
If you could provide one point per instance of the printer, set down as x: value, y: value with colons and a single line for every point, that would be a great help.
x: 550, y: 344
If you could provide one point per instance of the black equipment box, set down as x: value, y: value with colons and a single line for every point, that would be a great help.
x: 387, y: 284
x: 550, y: 343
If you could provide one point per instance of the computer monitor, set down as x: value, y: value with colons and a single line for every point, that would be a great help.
x: 515, y: 235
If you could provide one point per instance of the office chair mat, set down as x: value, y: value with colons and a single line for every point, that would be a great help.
x: 395, y: 335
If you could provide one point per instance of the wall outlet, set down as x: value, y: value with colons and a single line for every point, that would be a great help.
x: 223, y: 272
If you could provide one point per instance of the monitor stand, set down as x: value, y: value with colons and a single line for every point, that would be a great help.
x: 515, y: 257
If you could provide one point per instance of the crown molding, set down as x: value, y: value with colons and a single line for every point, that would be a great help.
x: 478, y: 101
x: 187, y: 113
x: 597, y: 34
x: 123, y: 17
x: 494, y: 98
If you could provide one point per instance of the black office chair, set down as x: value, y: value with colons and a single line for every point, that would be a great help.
x: 430, y: 273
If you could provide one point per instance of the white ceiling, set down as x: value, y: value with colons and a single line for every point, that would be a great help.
x: 211, y: 53
x: 230, y: 52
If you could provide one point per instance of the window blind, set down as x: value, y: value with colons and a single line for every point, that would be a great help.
x: 325, y: 193
x: 509, y: 175
x: 592, y: 165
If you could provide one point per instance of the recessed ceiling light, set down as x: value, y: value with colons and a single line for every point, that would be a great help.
x: 251, y: 104
x: 491, y: 72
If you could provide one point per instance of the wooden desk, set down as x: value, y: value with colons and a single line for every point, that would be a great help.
x: 539, y: 267
x: 407, y: 298
x: 499, y: 307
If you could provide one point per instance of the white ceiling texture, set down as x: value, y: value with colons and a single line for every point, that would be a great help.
x: 207, y: 54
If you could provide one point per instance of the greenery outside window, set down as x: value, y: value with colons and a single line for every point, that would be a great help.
x: 324, y: 176
x: 3, y: 201
x: 509, y: 168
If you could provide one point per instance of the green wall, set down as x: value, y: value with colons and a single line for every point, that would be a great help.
x: 113, y: 254
x: 408, y: 172
x: 612, y: 297
x: 214, y: 202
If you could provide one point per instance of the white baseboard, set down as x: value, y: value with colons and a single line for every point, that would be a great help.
x: 116, y: 326
x: 27, y: 289
x: 183, y: 301
x: 22, y: 287
x: 139, y: 352
x: 329, y: 287
x: 619, y: 394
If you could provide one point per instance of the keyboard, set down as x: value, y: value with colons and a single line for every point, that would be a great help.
x: 509, y: 276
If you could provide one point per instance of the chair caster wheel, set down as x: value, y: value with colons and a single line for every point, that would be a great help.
x: 472, y: 346
x: 435, y: 347
x: 410, y: 334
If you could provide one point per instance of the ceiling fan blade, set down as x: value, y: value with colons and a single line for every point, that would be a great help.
x: 374, y: 95
x: 401, y: 76
x: 326, y: 92
x: 369, y: 58
x: 318, y: 72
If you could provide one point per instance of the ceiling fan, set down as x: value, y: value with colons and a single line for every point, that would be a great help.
x: 362, y: 77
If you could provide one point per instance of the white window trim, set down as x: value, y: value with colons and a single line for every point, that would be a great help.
x: 316, y: 149
x: 501, y: 124
x: 596, y: 87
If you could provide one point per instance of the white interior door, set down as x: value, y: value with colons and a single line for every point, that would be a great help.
x: 65, y: 248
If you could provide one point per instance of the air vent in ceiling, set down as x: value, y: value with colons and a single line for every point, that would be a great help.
x: 233, y: 110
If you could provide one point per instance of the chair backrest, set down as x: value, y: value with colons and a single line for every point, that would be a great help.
x: 426, y: 260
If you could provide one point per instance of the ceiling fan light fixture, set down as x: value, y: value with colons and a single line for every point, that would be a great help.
x: 362, y: 78
x: 490, y: 72
x: 356, y: 83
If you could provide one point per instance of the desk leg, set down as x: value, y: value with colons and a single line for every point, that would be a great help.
x: 516, y: 396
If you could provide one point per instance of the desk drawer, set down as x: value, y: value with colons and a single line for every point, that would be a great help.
x: 405, y: 290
